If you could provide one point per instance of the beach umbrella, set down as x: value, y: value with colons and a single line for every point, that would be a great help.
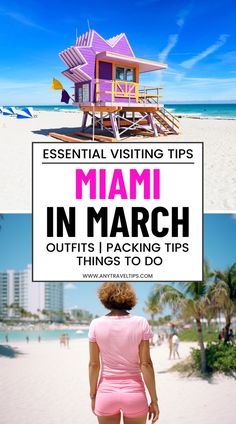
x: 11, y: 109
x: 26, y: 112
x: 7, y: 111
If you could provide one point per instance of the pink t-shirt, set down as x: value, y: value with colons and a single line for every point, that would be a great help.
x: 118, y: 339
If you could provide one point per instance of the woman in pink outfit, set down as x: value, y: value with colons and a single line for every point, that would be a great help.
x: 119, y: 358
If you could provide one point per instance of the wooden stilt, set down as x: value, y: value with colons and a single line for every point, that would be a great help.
x: 84, y: 121
x: 152, y: 124
x: 114, y: 125
x: 101, y: 117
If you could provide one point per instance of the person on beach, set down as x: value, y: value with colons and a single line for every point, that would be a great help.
x: 121, y: 342
x: 223, y: 334
x: 175, y: 344
x: 231, y: 336
x: 170, y: 344
x: 62, y: 340
x: 67, y: 340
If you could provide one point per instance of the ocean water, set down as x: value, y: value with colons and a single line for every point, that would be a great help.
x: 60, y: 107
x: 195, y: 110
x: 63, y: 107
x: 20, y: 335
x: 204, y: 110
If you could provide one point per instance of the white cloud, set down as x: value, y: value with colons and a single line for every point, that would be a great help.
x: 34, y: 92
x: 8, y: 84
x: 182, y: 15
x: 228, y: 58
x: 177, y: 75
x: 173, y: 38
x: 70, y: 286
x: 22, y: 19
x: 211, y: 80
x: 188, y: 64
x: 179, y: 87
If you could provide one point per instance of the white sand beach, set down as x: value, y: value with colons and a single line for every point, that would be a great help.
x: 16, y: 138
x: 47, y: 384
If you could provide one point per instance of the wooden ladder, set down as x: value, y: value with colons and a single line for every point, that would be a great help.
x: 168, y: 121
x: 165, y: 121
x: 160, y: 130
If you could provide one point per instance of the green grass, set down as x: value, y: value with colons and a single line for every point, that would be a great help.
x: 190, y: 335
x: 185, y: 367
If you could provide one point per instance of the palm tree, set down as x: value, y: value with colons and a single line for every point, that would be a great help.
x: 90, y: 317
x: 152, y: 308
x: 224, y: 294
x: 15, y: 307
x: 164, y: 320
x: 79, y: 315
x: 46, y: 313
x: 211, y: 312
x: 191, y: 301
x: 24, y: 313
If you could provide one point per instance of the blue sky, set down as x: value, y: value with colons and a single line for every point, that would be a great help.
x: 197, y: 39
x: 15, y: 253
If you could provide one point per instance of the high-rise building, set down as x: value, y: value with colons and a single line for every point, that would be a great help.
x: 17, y: 288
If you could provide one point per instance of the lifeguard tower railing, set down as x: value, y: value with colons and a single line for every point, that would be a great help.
x: 114, y: 91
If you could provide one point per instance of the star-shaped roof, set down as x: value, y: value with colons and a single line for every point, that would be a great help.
x: 81, y: 58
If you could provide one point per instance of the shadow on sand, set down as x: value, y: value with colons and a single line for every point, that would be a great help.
x: 9, y: 351
x: 64, y: 130
x: 185, y: 370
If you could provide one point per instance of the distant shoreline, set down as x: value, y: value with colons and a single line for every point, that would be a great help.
x: 224, y: 118
x: 226, y: 111
x: 41, y: 333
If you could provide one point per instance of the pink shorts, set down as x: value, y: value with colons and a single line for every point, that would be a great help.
x: 126, y: 394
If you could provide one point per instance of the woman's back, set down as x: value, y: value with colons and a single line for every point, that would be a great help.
x: 118, y: 338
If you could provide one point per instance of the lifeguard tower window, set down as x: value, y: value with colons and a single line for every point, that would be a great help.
x: 124, y: 74
x: 83, y: 93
